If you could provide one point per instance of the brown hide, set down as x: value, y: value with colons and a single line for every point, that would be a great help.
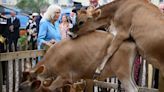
x: 139, y: 19
x: 65, y: 61
x: 90, y: 23
x: 72, y: 60
x: 75, y: 59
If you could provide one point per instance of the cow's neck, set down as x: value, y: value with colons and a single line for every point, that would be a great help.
x: 109, y: 10
x: 107, y: 14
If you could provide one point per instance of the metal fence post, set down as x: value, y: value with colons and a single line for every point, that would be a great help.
x: 1, y: 77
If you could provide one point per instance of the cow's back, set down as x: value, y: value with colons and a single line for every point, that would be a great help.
x: 79, y: 57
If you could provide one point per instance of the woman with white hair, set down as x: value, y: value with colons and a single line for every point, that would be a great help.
x: 49, y: 32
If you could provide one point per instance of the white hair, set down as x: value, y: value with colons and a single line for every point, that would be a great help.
x: 50, y: 13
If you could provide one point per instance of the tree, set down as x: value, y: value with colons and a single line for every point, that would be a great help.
x: 31, y: 5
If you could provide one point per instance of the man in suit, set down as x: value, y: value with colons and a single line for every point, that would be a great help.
x: 72, y: 18
x: 13, y: 30
x: 77, y: 6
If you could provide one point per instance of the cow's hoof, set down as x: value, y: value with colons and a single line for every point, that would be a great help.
x: 96, y: 75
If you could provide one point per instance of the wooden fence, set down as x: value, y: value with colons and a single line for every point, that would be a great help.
x: 16, y: 62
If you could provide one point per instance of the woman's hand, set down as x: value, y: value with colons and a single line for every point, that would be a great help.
x: 11, y: 28
x: 49, y: 44
x: 52, y: 41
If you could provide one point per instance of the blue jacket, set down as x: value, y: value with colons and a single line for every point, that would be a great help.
x: 48, y: 31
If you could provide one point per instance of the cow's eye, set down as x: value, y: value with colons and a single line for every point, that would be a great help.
x: 81, y: 22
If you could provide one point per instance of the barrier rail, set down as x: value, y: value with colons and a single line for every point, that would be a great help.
x: 16, y: 62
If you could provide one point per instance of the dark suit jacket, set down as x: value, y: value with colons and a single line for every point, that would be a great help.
x: 3, y: 26
x: 16, y: 24
x: 37, y: 23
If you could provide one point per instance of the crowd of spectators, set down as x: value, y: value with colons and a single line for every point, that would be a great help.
x: 42, y: 29
x: 46, y: 28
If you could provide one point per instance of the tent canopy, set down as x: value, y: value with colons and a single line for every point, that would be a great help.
x: 22, y: 15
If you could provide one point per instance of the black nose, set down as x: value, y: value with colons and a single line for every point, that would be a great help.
x: 21, y: 86
x: 20, y: 89
x: 72, y: 35
x: 81, y: 23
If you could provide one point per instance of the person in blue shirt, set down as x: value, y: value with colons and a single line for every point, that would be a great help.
x: 49, y: 32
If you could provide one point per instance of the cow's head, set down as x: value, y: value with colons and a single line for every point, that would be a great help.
x: 88, y: 15
x: 30, y: 86
x: 37, y: 86
x: 45, y: 86
x: 32, y: 82
x: 32, y: 74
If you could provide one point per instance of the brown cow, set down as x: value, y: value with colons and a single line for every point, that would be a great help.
x: 131, y: 18
x: 71, y: 60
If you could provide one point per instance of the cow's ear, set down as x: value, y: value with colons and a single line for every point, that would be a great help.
x: 90, y: 9
x: 96, y: 14
x: 26, y: 76
x: 36, y: 84
x: 82, y: 11
x: 40, y: 70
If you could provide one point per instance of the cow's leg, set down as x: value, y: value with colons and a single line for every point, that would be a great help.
x: 89, y: 85
x: 162, y: 70
x: 122, y: 65
x: 129, y: 85
x: 127, y: 79
x: 116, y: 42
